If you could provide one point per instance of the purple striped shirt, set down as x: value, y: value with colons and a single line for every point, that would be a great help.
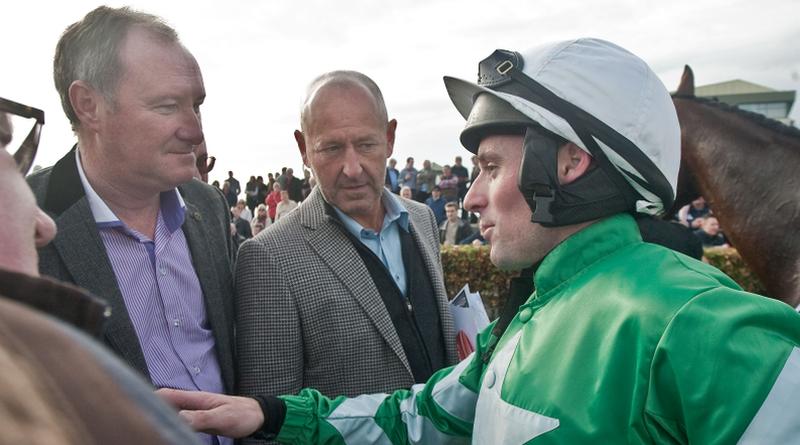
x: 162, y: 295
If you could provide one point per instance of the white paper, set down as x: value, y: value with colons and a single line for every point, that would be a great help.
x: 469, y: 317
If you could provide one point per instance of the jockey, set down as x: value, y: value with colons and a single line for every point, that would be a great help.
x: 605, y: 338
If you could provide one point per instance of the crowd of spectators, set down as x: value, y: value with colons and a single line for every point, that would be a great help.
x: 438, y: 186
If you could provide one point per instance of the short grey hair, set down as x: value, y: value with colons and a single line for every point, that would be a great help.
x: 343, y: 78
x: 88, y: 51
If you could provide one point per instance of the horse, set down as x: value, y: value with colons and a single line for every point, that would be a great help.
x: 748, y: 168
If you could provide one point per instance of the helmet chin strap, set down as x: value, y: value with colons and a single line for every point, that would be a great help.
x: 592, y: 196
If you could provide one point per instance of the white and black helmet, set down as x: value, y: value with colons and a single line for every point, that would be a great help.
x: 592, y: 93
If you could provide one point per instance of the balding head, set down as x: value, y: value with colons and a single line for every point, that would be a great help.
x: 343, y: 80
x: 345, y: 140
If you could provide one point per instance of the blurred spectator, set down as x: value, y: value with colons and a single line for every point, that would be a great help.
x: 408, y: 176
x: 251, y: 194
x: 215, y: 184
x: 461, y: 172
x: 710, y: 234
x: 476, y: 170
x: 292, y: 185
x: 270, y: 181
x: 454, y: 229
x: 392, y: 176
x: 475, y: 240
x: 242, y: 226
x: 245, y: 213
x: 406, y: 192
x: 230, y: 196
x: 261, y: 190
x: 692, y: 215
x: 436, y: 202
x: 285, y: 206
x: 448, y: 183
x: 307, y: 185
x: 273, y: 199
x: 261, y: 221
x: 235, y: 187
x: 426, y: 179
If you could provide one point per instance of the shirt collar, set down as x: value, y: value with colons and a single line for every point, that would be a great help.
x: 173, y: 208
x: 395, y: 212
x: 584, y: 248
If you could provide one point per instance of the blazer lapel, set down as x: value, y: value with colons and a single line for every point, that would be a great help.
x: 197, y: 239
x: 336, y: 250
x: 81, y: 249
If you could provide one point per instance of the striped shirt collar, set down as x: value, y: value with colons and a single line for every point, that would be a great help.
x: 173, y: 208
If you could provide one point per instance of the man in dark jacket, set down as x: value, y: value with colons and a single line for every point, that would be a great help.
x: 454, y: 230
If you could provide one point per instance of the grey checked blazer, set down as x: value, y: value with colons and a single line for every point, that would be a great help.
x: 309, y: 315
x: 77, y: 255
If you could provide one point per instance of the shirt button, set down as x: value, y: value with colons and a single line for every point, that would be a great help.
x: 525, y: 315
x: 176, y: 322
x: 162, y: 271
x: 196, y: 370
x: 490, y: 378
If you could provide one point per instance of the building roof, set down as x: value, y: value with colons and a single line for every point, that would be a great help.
x: 730, y: 87
x: 738, y: 92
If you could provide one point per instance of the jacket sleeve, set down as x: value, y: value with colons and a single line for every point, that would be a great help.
x: 738, y: 382
x: 440, y: 411
x: 269, y: 338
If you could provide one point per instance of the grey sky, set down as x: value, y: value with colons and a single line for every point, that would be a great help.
x: 258, y: 56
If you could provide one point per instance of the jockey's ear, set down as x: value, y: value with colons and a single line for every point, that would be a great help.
x: 573, y: 162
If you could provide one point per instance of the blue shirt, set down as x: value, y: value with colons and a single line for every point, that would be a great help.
x: 437, y: 205
x: 393, y: 176
x: 386, y: 243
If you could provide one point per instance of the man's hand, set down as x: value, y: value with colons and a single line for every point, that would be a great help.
x: 216, y: 414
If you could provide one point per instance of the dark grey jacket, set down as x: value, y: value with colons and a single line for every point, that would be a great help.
x: 77, y: 255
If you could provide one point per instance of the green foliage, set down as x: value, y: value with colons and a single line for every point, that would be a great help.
x: 729, y: 261
x: 468, y: 264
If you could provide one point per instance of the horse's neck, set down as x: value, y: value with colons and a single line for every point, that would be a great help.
x: 749, y: 173
x: 740, y: 164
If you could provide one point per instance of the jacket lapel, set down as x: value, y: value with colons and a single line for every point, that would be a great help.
x: 204, y: 266
x: 336, y: 250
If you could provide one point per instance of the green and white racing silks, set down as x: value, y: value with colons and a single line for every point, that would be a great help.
x: 622, y: 342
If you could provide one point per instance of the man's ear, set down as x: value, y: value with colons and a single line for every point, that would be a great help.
x: 301, y: 145
x: 573, y: 162
x: 391, y: 127
x: 87, y: 104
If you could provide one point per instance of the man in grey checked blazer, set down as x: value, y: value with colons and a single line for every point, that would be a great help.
x: 315, y: 306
